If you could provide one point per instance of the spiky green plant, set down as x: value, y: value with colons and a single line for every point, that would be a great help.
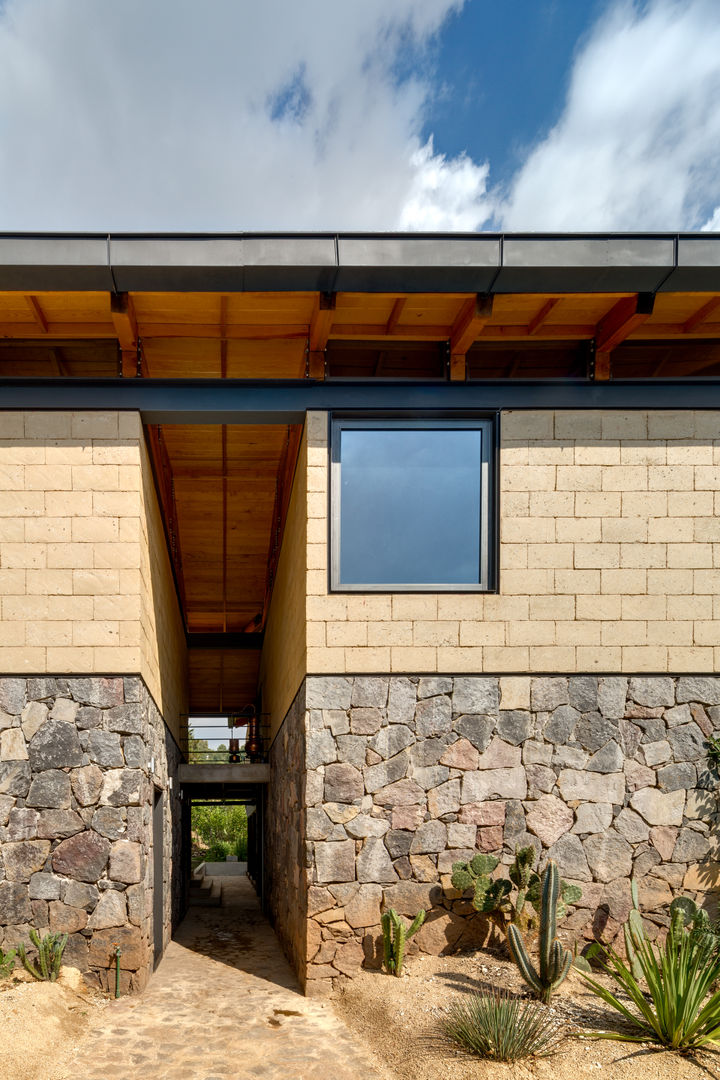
x: 502, y: 1028
x: 396, y: 933
x: 678, y: 976
x: 49, y: 954
x: 555, y: 960
x: 493, y: 897
x: 7, y: 963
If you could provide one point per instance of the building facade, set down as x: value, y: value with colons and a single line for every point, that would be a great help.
x: 444, y: 510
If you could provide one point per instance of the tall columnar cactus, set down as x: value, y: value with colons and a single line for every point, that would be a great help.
x: 395, y: 934
x: 555, y: 960
x: 49, y: 949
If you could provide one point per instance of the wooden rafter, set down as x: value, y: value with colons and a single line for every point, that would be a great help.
x: 623, y: 318
x: 126, y: 330
x: 701, y: 315
x: 394, y: 319
x: 538, y: 319
x: 37, y: 313
x: 319, y: 332
x: 474, y: 316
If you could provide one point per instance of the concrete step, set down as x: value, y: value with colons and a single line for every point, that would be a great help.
x: 209, y: 894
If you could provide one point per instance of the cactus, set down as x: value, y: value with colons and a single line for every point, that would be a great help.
x: 395, y: 934
x: 493, y: 899
x: 49, y: 949
x: 555, y: 960
x: 7, y: 963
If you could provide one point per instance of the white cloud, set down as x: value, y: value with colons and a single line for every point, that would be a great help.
x: 638, y: 143
x: 178, y: 115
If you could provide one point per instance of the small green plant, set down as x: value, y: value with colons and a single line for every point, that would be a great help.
x: 395, y: 935
x: 49, y: 954
x: 712, y: 748
x: 7, y: 963
x: 493, y: 897
x: 502, y: 1028
x: 678, y: 976
x: 555, y: 960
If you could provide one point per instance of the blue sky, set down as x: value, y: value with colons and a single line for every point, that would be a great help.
x: 438, y: 115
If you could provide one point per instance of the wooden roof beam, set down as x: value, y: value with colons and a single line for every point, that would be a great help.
x: 394, y: 319
x: 473, y: 317
x: 537, y: 320
x: 126, y: 330
x: 37, y: 312
x: 319, y: 332
x: 622, y: 319
x: 701, y: 315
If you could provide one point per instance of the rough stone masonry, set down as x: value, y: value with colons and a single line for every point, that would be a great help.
x: 406, y: 775
x: 79, y: 761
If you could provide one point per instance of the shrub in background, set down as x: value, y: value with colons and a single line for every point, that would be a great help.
x: 219, y: 831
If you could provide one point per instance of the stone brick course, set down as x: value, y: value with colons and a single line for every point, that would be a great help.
x: 607, y: 776
x: 79, y: 761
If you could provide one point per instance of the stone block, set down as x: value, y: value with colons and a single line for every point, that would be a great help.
x: 547, y: 694
x: 653, y: 691
x: 406, y: 816
x: 676, y: 777
x: 702, y: 877
x: 128, y: 719
x: 55, y: 746
x: 13, y: 695
x: 58, y: 824
x: 475, y: 695
x: 568, y: 853
x: 12, y: 745
x: 681, y: 714
x: 540, y: 779
x: 549, y: 818
x: 122, y: 787
x: 629, y: 737
x: 505, y: 783
x: 593, y: 731
x: 24, y: 858
x: 374, y: 863
x: 50, y: 790
x: 583, y: 692
x: 65, y: 919
x: 369, y: 691
x: 431, y: 777
x: 440, y: 932
x: 88, y: 717
x: 561, y: 725
x: 365, y: 721
x: 22, y: 824
x: 83, y: 857
x: 663, y: 838
x: 33, y: 717
x: 111, y: 910
x: 591, y: 787
x: 433, y: 716
x: 318, y: 824
x: 612, y: 694
x: 79, y: 894
x: 44, y: 886
x: 343, y: 783
x: 461, y: 836
x: 609, y: 759
x: 386, y: 772
x: 655, y: 753
x: 515, y: 726
x: 444, y: 799
x: 103, y: 748
x: 335, y: 861
x: 402, y: 696
x: 321, y: 749
x: 64, y: 710
x: 407, y: 897
x: 402, y: 793
x: 392, y: 740
x: 690, y: 847
x: 352, y: 749
x: 500, y: 755
x: 592, y: 818
x: 657, y: 807
x: 490, y: 839
x: 87, y: 784
x: 365, y: 825
x: 483, y: 813
x: 14, y: 778
x: 328, y: 692
x: 102, y: 692
x: 429, y: 838
x: 15, y: 904
x: 687, y: 742
x: 631, y: 826
x: 695, y: 688
x: 638, y: 776
x: 135, y: 950
x: 476, y: 728
x: 109, y: 821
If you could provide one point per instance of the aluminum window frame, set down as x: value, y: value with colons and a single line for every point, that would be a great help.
x: 488, y: 463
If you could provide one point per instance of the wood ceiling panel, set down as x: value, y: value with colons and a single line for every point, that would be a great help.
x: 222, y: 680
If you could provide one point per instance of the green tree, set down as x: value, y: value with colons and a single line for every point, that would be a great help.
x: 219, y: 830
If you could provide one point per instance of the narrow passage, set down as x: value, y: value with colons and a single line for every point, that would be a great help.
x: 222, y: 1005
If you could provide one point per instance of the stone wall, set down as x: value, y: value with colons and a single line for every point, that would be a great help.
x: 407, y: 775
x: 284, y: 838
x: 80, y: 758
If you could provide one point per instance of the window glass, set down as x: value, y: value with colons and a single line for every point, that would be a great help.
x: 411, y: 504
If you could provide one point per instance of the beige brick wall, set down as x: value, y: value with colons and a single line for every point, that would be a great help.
x: 85, y: 581
x: 609, y: 558
x: 283, y: 662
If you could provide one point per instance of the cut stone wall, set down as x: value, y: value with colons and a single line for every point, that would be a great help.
x: 80, y: 758
x: 284, y: 839
x: 407, y: 775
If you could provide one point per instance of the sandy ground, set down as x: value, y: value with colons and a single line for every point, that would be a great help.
x: 42, y: 1022
x: 400, y: 1021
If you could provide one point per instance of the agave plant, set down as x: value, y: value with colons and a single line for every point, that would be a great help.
x: 502, y: 1028
x: 673, y: 1010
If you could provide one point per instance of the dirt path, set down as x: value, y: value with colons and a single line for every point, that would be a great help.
x: 222, y: 1005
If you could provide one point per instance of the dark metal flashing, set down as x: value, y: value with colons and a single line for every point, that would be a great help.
x: 364, y: 262
x: 238, y: 401
x: 224, y: 641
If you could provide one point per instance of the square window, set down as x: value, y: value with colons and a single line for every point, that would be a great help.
x: 410, y: 504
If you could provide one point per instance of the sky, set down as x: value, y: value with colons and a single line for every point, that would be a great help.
x: 430, y: 115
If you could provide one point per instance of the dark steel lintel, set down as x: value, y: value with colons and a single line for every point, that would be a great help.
x: 237, y: 401
x: 224, y: 641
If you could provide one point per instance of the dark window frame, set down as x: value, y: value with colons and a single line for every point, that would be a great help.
x: 488, y: 424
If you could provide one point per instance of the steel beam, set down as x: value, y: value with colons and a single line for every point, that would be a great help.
x: 238, y: 401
